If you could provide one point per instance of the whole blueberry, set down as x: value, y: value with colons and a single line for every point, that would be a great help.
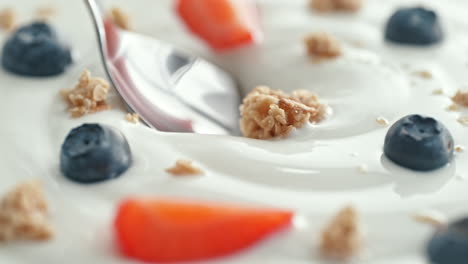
x: 417, y: 25
x: 419, y: 143
x: 35, y: 50
x: 449, y: 245
x: 93, y: 153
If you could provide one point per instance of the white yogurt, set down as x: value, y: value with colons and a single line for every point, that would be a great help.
x: 313, y: 172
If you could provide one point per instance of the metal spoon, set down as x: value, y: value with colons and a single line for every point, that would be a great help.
x: 170, y: 90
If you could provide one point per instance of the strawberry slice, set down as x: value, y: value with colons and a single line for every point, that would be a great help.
x: 172, y: 230
x: 223, y: 24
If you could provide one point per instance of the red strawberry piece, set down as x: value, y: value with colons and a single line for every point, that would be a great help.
x: 223, y: 24
x: 173, y: 230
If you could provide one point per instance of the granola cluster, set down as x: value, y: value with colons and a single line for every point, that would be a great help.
x: 88, y: 96
x: 24, y: 213
x: 336, y: 5
x: 341, y: 239
x: 322, y: 45
x: 7, y: 19
x: 267, y: 113
x: 120, y: 18
x: 461, y: 98
x: 184, y: 168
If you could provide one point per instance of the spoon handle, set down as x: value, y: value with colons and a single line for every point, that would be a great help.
x: 96, y: 11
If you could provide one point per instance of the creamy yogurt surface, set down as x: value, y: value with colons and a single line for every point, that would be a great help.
x: 315, y: 172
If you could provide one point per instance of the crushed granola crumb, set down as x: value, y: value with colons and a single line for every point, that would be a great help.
x: 382, y: 121
x: 358, y: 43
x: 120, y: 18
x: 184, y: 168
x: 432, y: 218
x: 24, y: 214
x: 463, y: 120
x: 454, y: 108
x: 267, y: 113
x: 438, y: 92
x: 363, y: 168
x: 322, y: 45
x: 45, y: 12
x: 132, y: 118
x: 461, y: 98
x: 7, y: 19
x: 424, y: 74
x: 341, y: 239
x: 88, y: 96
x: 459, y: 149
x: 336, y: 5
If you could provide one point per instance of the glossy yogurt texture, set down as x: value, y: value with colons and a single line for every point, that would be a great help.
x: 314, y: 172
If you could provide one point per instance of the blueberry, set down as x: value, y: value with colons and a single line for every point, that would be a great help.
x: 34, y: 50
x: 37, y: 29
x: 417, y: 25
x: 450, y: 244
x: 419, y: 143
x: 93, y: 153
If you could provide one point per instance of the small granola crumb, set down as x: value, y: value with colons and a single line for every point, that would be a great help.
x: 336, y: 5
x: 88, y: 96
x: 358, y: 43
x: 454, y: 108
x: 7, y: 19
x: 424, y: 74
x: 267, y: 113
x: 363, y: 168
x: 45, y: 12
x: 438, y: 92
x: 463, y: 120
x: 461, y: 98
x: 24, y: 214
x: 322, y: 45
x: 132, y: 118
x: 432, y: 218
x: 120, y: 18
x: 459, y: 149
x: 184, y: 168
x: 382, y: 121
x: 341, y: 239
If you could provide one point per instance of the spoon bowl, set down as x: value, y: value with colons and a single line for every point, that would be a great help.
x: 170, y: 90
